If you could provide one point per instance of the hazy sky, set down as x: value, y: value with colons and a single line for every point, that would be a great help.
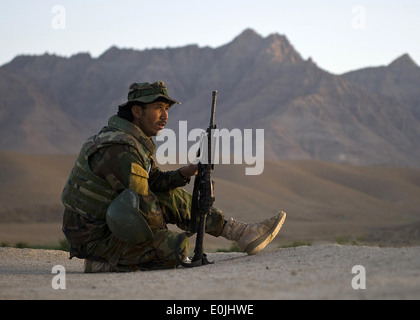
x: 339, y: 35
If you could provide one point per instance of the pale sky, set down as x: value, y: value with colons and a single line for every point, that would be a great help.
x: 339, y: 35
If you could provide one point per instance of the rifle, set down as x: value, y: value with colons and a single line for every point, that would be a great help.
x: 202, y: 198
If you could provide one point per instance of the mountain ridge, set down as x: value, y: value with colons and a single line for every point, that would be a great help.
x: 367, y: 116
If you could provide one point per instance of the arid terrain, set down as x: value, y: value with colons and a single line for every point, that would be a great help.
x: 333, y: 211
x: 369, y: 116
x: 314, y: 272
x: 324, y: 202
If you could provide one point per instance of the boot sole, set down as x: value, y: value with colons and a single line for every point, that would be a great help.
x: 260, y: 243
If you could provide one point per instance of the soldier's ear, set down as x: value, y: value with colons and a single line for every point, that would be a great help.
x: 137, y: 111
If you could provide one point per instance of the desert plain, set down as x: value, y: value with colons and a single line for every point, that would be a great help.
x: 339, y: 217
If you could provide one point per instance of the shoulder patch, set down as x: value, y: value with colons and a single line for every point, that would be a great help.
x: 139, y: 180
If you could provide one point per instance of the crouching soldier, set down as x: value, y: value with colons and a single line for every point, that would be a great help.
x: 118, y: 202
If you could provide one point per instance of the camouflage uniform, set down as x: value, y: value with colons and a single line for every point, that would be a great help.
x: 120, y: 156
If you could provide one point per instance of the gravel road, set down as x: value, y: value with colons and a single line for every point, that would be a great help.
x: 306, y: 272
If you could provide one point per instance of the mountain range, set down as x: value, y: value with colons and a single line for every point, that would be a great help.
x: 50, y: 104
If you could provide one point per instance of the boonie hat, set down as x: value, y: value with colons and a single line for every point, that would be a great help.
x: 149, y: 92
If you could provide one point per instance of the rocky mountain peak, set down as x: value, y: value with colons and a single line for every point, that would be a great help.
x: 370, y: 116
x: 405, y: 62
x: 248, y: 36
x: 274, y: 47
x: 281, y: 50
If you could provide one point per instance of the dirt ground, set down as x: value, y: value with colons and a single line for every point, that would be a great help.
x: 328, y: 205
x: 305, y: 272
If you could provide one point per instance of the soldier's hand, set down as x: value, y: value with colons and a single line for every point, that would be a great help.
x: 189, y: 170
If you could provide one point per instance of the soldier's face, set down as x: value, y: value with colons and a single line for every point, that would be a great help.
x: 152, y: 118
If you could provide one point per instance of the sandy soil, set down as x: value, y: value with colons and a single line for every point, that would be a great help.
x: 325, y: 204
x: 306, y: 272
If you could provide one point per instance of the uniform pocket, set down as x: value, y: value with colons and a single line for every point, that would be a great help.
x: 139, y: 180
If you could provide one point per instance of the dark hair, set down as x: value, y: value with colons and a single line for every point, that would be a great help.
x: 125, y: 110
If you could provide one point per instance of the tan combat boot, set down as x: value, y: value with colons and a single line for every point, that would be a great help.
x: 252, y: 238
x: 93, y: 266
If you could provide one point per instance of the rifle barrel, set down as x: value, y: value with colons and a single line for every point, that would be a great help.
x: 213, y: 108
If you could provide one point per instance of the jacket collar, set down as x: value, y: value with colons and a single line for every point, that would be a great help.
x: 121, y: 124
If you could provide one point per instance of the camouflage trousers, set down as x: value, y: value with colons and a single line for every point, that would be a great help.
x: 158, y: 253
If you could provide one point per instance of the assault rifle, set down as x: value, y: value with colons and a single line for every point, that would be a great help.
x: 202, y: 197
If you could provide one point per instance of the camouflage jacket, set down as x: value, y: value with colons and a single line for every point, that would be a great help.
x: 120, y: 156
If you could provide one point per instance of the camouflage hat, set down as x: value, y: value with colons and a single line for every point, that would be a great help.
x: 148, y: 92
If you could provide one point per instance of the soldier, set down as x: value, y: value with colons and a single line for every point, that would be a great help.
x: 116, y: 172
